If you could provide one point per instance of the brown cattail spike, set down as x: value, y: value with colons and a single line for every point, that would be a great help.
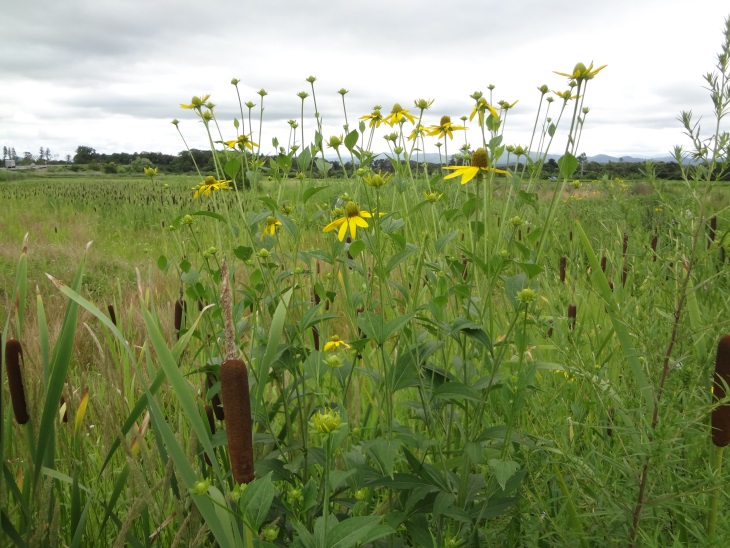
x: 720, y: 419
x: 112, y: 314
x: 180, y: 307
x: 13, y: 359
x: 626, y: 244
x: 654, y: 242
x: 563, y: 264
x: 603, y: 263
x: 237, y: 403
x: 572, y: 314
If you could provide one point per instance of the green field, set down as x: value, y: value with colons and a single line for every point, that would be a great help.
x: 483, y: 394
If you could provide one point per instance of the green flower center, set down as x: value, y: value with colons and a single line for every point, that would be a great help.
x: 445, y: 120
x: 397, y: 108
x: 480, y: 159
x: 351, y: 209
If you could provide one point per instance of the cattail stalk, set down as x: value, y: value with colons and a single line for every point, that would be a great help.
x: 235, y: 394
x: 13, y: 359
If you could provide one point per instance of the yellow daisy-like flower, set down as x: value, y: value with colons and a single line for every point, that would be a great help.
x: 150, y: 171
x: 417, y: 131
x: 375, y: 117
x: 479, y: 108
x: 565, y: 95
x: 270, y: 228
x: 397, y: 115
x: 353, y: 218
x: 479, y: 163
x: 432, y: 196
x: 241, y: 143
x: 444, y: 128
x: 196, y: 102
x: 208, y: 185
x: 334, y: 343
x: 581, y: 72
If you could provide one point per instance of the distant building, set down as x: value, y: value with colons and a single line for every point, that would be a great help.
x: 10, y: 164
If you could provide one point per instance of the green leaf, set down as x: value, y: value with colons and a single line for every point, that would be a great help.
x: 232, y: 167
x: 311, y: 192
x: 503, y: 470
x: 356, y: 247
x: 456, y: 391
x: 399, y: 257
x: 356, y: 531
x: 243, y: 252
x: 162, y: 263
x: 351, y: 139
x: 256, y: 501
x: 551, y: 129
x: 567, y: 164
x: 531, y: 269
x: 444, y: 240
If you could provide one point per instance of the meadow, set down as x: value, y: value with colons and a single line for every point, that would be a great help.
x: 266, y: 355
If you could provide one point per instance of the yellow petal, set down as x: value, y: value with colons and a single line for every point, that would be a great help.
x: 343, y: 230
x: 365, y: 214
x: 334, y: 224
x: 359, y: 221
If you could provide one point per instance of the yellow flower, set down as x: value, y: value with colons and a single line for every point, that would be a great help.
x: 479, y: 163
x: 376, y: 118
x: 335, y: 141
x: 565, y: 95
x: 326, y: 422
x: 150, y: 171
x: 270, y: 228
x: 208, y: 185
x: 196, y: 102
x: 480, y: 106
x: 417, y: 131
x: 580, y: 72
x: 241, y: 142
x: 445, y: 128
x: 397, y: 115
x: 353, y: 218
x: 334, y: 343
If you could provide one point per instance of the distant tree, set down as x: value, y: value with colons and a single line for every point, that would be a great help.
x: 68, y: 158
x: 110, y: 167
x: 582, y: 158
x: 41, y: 154
x: 85, y: 155
x: 5, y: 152
x: 13, y: 154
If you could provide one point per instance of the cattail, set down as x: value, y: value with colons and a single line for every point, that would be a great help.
x: 216, y: 399
x: 112, y: 314
x: 654, y: 242
x: 13, y: 359
x: 180, y: 307
x: 572, y: 313
x: 211, y: 424
x: 720, y: 419
x: 603, y: 264
x: 713, y: 229
x: 237, y: 403
x: 315, y: 337
x: 550, y: 329
x: 626, y: 244
x: 570, y: 236
x: 563, y: 264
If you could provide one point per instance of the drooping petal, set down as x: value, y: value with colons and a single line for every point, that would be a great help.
x: 334, y: 224
x: 343, y: 230
x: 359, y: 221
x: 365, y: 214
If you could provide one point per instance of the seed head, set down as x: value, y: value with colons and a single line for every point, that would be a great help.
x: 720, y: 419
x: 237, y: 403
x: 479, y: 158
x: 13, y: 359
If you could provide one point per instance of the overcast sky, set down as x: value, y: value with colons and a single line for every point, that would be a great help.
x: 111, y: 74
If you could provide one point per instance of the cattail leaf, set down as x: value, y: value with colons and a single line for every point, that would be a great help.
x: 20, y: 290
x: 261, y: 369
x: 43, y: 339
x: 224, y: 534
x: 60, y: 361
x: 81, y: 411
x: 181, y: 387
x: 600, y: 283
